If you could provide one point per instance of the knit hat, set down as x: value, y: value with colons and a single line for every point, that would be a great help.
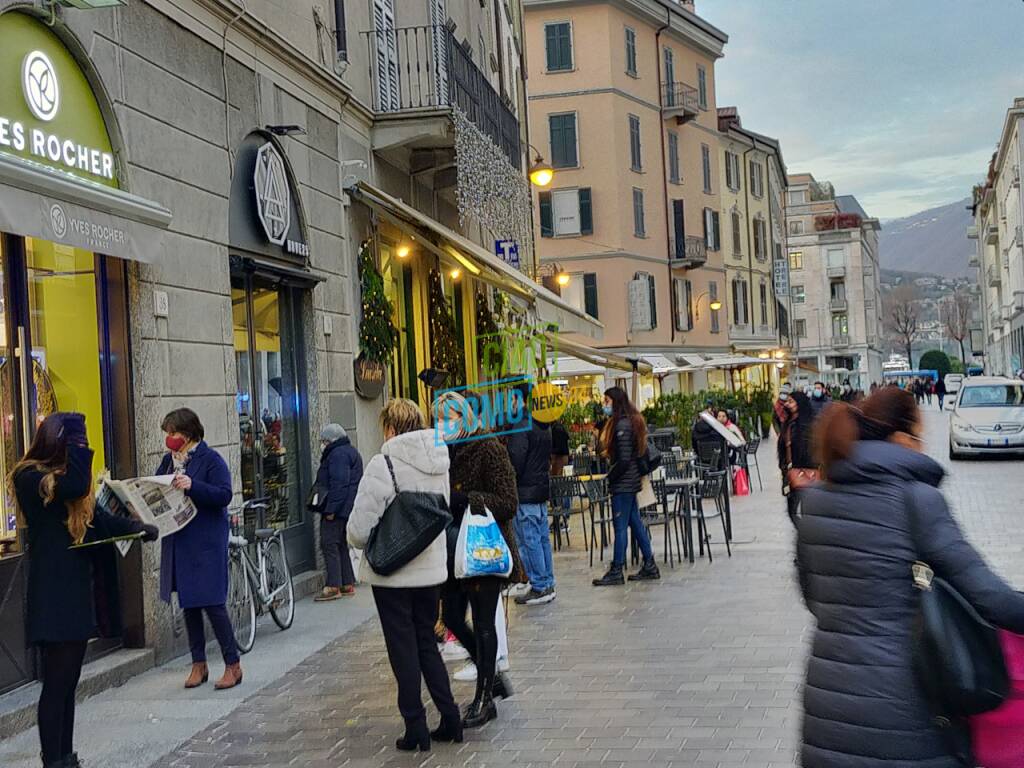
x: 332, y: 432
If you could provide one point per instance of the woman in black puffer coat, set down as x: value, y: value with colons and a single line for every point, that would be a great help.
x: 863, y: 707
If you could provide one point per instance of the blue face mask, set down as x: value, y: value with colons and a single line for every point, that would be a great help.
x: 607, y: 410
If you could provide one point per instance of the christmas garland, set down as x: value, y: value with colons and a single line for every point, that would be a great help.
x: 377, y: 334
x: 445, y: 346
x: 486, y: 325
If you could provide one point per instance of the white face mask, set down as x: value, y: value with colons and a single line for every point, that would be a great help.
x: 818, y: 392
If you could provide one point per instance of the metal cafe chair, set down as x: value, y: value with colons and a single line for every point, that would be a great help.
x: 710, y: 489
x: 600, y: 509
x: 750, y: 452
x: 665, y: 514
x: 563, y: 494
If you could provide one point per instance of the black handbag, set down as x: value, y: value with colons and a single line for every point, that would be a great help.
x: 956, y: 654
x: 408, y: 526
x: 651, y: 459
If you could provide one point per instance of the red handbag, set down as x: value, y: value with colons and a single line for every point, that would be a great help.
x: 998, y: 736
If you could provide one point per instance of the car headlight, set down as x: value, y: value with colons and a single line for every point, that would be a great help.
x: 962, y: 425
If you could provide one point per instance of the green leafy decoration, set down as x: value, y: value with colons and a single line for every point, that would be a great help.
x: 445, y: 347
x: 377, y: 334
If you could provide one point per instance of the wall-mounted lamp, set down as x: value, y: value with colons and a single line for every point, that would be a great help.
x: 455, y: 273
x: 779, y: 354
x: 763, y: 355
x: 403, y: 250
x: 286, y: 130
x: 541, y: 173
x: 713, y: 304
x: 780, y: 365
x: 562, y: 278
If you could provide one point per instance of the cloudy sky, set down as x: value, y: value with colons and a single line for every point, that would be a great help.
x: 899, y: 102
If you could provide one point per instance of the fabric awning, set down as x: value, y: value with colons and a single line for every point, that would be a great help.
x: 456, y: 249
x: 661, y: 365
x: 732, y: 361
x: 37, y: 201
x: 562, y: 346
x: 563, y: 366
x: 692, y: 359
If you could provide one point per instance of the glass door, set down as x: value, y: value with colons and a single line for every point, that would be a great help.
x: 272, y: 418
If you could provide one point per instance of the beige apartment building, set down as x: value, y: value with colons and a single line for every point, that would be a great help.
x: 834, y: 284
x: 622, y: 104
x: 754, y: 233
x: 998, y: 207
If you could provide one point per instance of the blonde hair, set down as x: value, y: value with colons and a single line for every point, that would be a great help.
x: 459, y: 407
x: 401, y: 415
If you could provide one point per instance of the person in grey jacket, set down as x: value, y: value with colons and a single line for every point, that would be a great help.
x: 860, y: 532
x: 625, y: 440
x: 407, y: 600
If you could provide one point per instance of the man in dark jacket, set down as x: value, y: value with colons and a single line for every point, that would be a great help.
x: 530, y: 453
x: 341, y: 469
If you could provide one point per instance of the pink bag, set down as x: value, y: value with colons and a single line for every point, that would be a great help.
x: 740, y: 482
x: 998, y: 736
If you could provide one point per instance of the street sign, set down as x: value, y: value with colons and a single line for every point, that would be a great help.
x: 781, y: 269
x: 507, y: 251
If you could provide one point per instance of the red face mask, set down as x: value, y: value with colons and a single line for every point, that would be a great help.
x: 175, y: 444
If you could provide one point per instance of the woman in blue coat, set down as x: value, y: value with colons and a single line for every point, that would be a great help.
x: 878, y: 511
x: 194, y: 560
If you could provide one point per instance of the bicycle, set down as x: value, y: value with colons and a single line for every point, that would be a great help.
x: 265, y: 585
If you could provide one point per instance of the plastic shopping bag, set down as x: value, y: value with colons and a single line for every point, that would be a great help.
x: 481, y: 548
x: 740, y: 482
x: 998, y: 736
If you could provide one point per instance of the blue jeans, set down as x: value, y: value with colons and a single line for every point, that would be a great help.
x: 626, y: 514
x: 531, y: 526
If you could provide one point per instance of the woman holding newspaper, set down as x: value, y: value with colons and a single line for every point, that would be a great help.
x: 194, y: 560
x: 53, y: 486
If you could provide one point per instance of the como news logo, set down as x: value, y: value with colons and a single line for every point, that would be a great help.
x: 494, y: 408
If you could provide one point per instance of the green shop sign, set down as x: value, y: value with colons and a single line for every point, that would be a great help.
x: 48, y: 111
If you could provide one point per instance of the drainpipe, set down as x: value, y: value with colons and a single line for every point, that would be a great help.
x: 664, y: 176
x: 750, y: 239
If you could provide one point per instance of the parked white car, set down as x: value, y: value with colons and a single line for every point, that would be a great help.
x: 987, y: 417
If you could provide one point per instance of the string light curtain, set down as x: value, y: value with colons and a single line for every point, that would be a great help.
x: 377, y: 333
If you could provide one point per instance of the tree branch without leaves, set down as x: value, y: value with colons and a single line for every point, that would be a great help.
x: 956, y: 316
x: 903, y: 315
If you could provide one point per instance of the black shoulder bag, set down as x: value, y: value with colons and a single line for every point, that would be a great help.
x: 956, y: 653
x: 651, y: 459
x: 408, y: 526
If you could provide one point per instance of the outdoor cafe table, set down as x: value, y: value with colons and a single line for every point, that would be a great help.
x: 683, y: 486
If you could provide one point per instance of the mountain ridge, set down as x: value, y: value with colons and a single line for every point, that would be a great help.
x: 933, y: 241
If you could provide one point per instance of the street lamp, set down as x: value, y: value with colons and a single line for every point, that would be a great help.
x: 541, y: 173
x: 713, y: 304
x: 562, y: 278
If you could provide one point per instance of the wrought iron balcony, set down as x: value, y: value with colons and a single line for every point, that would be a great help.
x: 680, y: 101
x: 420, y: 69
x: 690, y: 251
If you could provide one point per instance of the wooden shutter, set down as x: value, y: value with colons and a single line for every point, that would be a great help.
x: 654, y: 302
x: 590, y: 293
x: 712, y: 296
x: 551, y: 45
x: 387, y: 55
x: 547, y: 226
x: 679, y: 229
x: 586, y: 211
x: 439, y: 35
x: 717, y: 231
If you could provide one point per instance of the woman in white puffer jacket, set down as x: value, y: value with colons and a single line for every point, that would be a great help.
x: 407, y: 600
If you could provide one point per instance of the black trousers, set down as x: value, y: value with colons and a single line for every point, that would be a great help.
x: 334, y: 543
x: 221, y: 623
x: 793, y: 505
x: 407, y: 617
x: 62, y: 666
x: 482, y: 640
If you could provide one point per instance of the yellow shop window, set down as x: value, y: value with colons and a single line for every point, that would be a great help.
x: 65, y: 335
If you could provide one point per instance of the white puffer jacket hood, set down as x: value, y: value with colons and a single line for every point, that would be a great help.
x: 421, y: 464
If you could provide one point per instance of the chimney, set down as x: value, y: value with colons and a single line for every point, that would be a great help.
x: 688, y: 5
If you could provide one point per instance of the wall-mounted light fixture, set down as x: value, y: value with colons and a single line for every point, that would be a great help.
x: 282, y: 130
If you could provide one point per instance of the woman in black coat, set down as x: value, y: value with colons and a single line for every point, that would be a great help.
x: 863, y: 707
x: 53, y: 486
x: 794, y: 447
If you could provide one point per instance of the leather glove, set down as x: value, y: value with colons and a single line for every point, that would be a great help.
x: 150, y: 533
x: 458, y: 503
x: 74, y: 429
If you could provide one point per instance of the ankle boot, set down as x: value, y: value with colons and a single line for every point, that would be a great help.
x: 482, y: 709
x: 416, y: 736
x: 232, y: 677
x: 648, y: 572
x: 71, y: 761
x: 199, y: 675
x: 449, y: 730
x: 611, y: 579
x: 502, y: 688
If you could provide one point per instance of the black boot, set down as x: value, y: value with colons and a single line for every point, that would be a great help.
x: 648, y: 572
x: 612, y: 578
x: 449, y: 730
x: 482, y: 710
x: 502, y: 688
x: 416, y: 736
x: 71, y: 761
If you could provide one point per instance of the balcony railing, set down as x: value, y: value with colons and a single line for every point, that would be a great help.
x: 992, y: 234
x: 972, y: 232
x: 419, y: 68
x: 836, y: 271
x: 837, y: 304
x: 842, y: 340
x: 837, y: 221
x: 680, y: 99
x: 690, y: 251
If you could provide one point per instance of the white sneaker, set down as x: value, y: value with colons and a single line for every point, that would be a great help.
x: 518, y: 589
x: 454, y: 652
x: 468, y: 673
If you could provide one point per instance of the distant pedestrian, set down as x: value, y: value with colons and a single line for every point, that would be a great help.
x: 337, y: 480
x: 194, y: 561
x: 796, y: 461
x: 410, y: 459
x: 624, y: 441
x: 52, y: 487
x: 860, y: 532
x: 779, y: 412
x: 820, y: 398
x: 559, y: 449
x: 940, y: 392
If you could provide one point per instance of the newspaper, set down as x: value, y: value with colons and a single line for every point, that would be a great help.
x: 153, y: 500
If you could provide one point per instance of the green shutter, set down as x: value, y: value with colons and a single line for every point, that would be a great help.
x: 590, y: 293
x: 564, y: 46
x: 654, y: 302
x: 547, y: 227
x: 586, y: 212
x: 551, y: 45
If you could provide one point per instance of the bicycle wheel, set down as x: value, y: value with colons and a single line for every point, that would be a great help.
x: 279, y: 577
x: 241, y: 605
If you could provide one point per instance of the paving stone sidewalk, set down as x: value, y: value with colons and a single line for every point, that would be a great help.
x: 701, y: 669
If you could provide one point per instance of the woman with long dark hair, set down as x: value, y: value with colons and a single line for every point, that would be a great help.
x: 194, y: 560
x: 623, y: 441
x: 877, y: 512
x: 53, y: 488
x: 794, y: 446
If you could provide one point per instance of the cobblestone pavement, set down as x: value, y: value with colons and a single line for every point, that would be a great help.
x: 700, y: 669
